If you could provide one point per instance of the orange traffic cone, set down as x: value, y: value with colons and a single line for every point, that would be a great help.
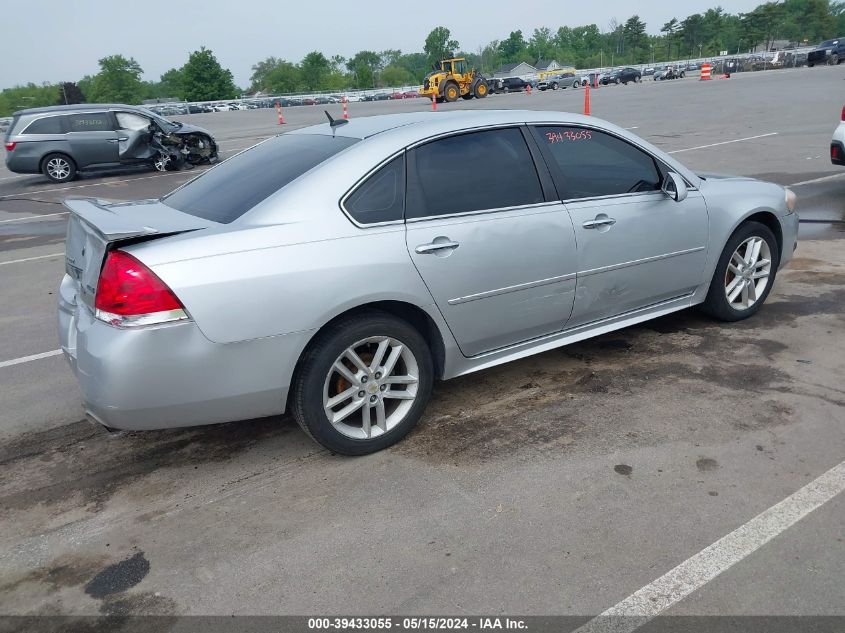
x: 434, y: 104
x: 587, y: 99
x: 345, y: 110
x: 279, y: 112
x: 528, y: 89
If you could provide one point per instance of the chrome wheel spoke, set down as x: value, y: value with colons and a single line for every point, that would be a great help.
x: 735, y: 291
x: 761, y: 262
x: 734, y: 269
x: 341, y: 397
x: 356, y: 360
x: 395, y: 353
x: 346, y: 411
x: 383, y: 345
x: 737, y: 259
x: 400, y: 395
x: 366, y: 426
x: 401, y: 380
x: 732, y: 286
x: 762, y: 274
x: 343, y: 370
x: 381, y: 420
x: 752, y: 291
x: 745, y: 295
x: 755, y: 251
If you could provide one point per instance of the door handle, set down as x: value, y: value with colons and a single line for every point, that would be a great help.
x: 113, y: 140
x: 123, y: 138
x: 433, y: 247
x: 594, y: 224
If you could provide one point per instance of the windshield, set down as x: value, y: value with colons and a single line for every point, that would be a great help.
x: 226, y: 192
x: 828, y: 43
x: 163, y: 123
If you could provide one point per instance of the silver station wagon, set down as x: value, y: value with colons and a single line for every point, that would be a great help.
x: 338, y: 270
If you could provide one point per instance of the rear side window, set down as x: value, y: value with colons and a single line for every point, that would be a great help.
x: 90, y: 122
x: 381, y: 198
x: 226, y: 192
x: 591, y: 163
x: 47, y: 125
x: 471, y: 172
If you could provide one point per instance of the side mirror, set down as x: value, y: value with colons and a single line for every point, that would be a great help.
x: 675, y: 187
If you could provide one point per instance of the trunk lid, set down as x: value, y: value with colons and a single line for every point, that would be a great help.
x: 95, y: 226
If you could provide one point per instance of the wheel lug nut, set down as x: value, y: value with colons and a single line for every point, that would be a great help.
x: 373, y: 398
x: 361, y: 394
x: 383, y: 387
x: 363, y: 379
x: 378, y: 375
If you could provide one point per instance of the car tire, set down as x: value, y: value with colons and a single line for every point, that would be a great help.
x: 834, y: 60
x: 318, y: 382
x: 58, y: 167
x: 451, y: 92
x: 738, y: 278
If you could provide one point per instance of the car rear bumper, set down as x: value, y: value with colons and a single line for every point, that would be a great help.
x: 20, y: 162
x: 171, y: 375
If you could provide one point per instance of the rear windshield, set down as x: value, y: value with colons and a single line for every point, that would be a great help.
x: 226, y: 192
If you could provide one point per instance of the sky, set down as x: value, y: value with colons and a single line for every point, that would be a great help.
x: 58, y: 40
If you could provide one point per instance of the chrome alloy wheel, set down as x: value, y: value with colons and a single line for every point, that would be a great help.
x: 371, y: 387
x: 161, y: 162
x: 58, y: 168
x: 748, y: 273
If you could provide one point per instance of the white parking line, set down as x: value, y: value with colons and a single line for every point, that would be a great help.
x: 34, y: 217
x: 21, y: 194
x: 31, y: 259
x: 815, y: 180
x: 26, y: 359
x: 736, y: 140
x: 698, y: 570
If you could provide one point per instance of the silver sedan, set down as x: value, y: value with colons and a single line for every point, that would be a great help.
x: 338, y: 270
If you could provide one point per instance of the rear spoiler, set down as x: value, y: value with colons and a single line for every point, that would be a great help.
x: 120, y: 221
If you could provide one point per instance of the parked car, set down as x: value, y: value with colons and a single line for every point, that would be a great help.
x: 563, y: 81
x: 178, y: 311
x: 309, y: 101
x: 622, y: 75
x: 670, y: 72
x: 828, y: 52
x: 513, y: 84
x: 60, y: 141
x: 649, y: 71
x: 410, y: 94
x: 592, y: 79
x: 837, y: 143
x: 397, y: 95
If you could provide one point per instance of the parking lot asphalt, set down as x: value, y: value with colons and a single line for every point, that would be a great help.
x: 559, y: 484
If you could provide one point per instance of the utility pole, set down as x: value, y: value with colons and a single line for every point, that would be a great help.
x: 64, y: 92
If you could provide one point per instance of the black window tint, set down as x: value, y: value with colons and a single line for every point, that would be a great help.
x: 592, y: 163
x: 471, y: 172
x: 90, y: 122
x: 226, y: 192
x: 47, y: 125
x: 381, y: 198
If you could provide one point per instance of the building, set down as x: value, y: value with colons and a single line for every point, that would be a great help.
x: 522, y: 69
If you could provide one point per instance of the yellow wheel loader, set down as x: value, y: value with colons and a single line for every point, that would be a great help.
x: 453, y: 79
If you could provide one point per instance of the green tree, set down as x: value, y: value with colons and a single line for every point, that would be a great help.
x: 395, y: 76
x: 284, y: 77
x: 260, y: 71
x: 119, y: 81
x: 69, y: 93
x: 439, y: 45
x: 29, y: 96
x: 315, y: 69
x: 363, y: 67
x: 541, y: 45
x: 635, y: 36
x: 204, y: 79
x: 513, y: 48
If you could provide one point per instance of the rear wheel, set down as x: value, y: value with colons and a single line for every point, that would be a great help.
x: 481, y: 89
x: 451, y: 92
x: 363, y: 384
x: 58, y: 167
x: 744, y: 274
x: 834, y: 59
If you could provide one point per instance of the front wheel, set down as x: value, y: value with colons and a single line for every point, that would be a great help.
x: 363, y: 384
x: 744, y: 274
x: 452, y: 92
x: 834, y: 60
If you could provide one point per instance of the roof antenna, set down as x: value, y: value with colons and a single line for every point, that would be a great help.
x: 333, y: 123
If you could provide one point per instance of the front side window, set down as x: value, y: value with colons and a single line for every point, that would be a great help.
x: 47, y: 125
x: 592, y: 163
x: 131, y: 121
x: 90, y: 122
x: 227, y: 191
x: 471, y: 172
x: 381, y: 198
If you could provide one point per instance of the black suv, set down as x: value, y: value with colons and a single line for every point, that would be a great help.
x: 829, y: 52
x: 513, y: 84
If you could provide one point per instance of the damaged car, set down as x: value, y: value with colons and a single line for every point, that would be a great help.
x: 61, y: 141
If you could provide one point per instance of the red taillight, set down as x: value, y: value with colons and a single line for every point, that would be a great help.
x: 129, y: 293
x: 834, y: 152
x: 842, y: 118
x: 10, y: 146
